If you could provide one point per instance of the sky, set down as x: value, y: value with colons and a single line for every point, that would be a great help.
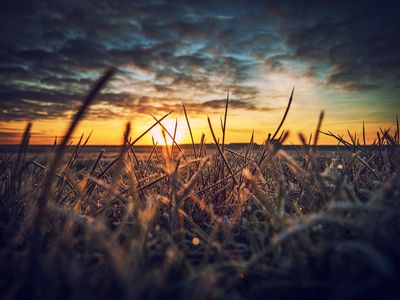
x: 342, y: 57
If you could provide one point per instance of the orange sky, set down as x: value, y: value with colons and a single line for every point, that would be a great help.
x: 240, y: 124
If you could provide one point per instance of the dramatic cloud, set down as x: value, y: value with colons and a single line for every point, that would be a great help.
x: 167, y: 52
x: 349, y: 44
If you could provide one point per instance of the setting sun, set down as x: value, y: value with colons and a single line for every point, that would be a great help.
x: 169, y: 125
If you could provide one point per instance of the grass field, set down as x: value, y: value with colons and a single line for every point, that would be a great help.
x: 249, y: 223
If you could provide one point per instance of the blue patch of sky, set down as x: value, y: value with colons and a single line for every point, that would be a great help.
x: 191, y: 48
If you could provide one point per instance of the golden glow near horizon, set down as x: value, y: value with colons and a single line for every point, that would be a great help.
x: 239, y: 128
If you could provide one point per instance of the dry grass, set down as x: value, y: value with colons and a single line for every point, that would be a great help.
x: 256, y: 224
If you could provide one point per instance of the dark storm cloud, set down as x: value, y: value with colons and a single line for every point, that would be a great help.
x: 220, y: 105
x: 352, y: 44
x: 137, y: 104
x: 51, y: 51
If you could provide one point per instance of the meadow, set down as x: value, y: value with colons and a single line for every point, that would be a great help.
x: 202, y: 221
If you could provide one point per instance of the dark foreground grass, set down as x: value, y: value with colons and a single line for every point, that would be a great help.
x: 253, y: 224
